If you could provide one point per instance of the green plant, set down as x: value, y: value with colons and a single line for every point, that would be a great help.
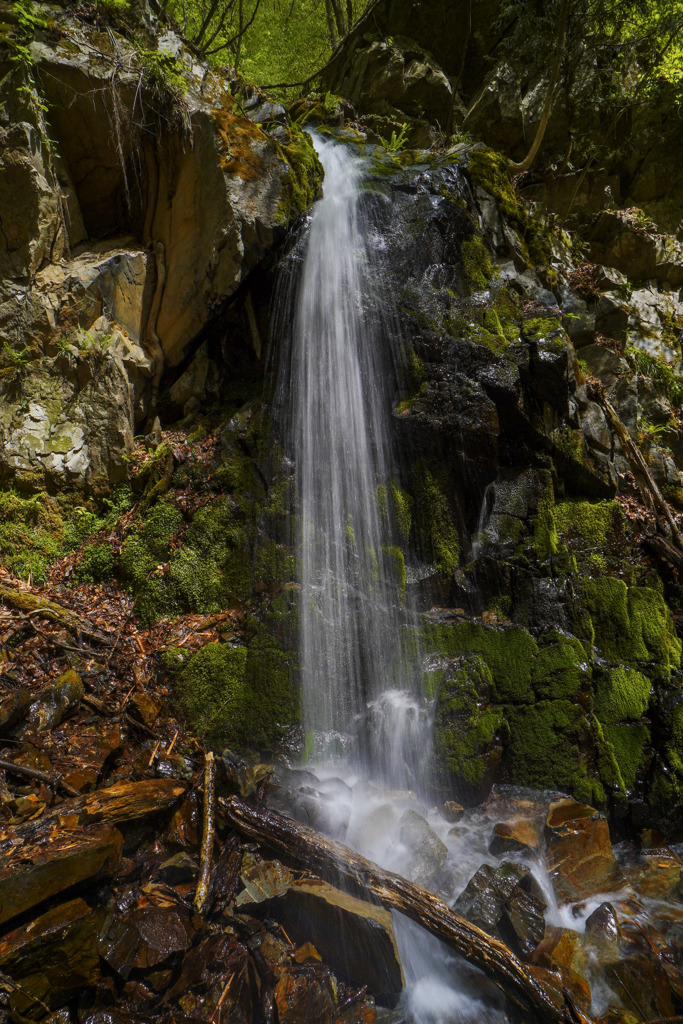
x: 397, y: 142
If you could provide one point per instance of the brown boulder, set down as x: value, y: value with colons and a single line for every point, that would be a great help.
x: 579, y: 853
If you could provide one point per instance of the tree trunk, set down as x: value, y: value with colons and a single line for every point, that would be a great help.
x: 342, y: 865
x: 517, y: 168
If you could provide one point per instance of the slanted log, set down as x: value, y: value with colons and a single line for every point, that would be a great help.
x: 344, y: 866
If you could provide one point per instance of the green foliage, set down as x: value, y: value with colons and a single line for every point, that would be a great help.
x: 35, y: 531
x: 668, y: 381
x: 396, y: 142
x: 476, y: 263
x: 164, y: 71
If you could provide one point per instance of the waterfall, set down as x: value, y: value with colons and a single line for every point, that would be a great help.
x: 337, y: 352
x: 335, y: 386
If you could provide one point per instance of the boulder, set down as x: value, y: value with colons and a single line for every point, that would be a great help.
x: 427, y: 852
x: 51, y: 959
x: 579, y: 853
x: 354, y: 937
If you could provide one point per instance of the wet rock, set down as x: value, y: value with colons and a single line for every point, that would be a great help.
x: 52, y: 958
x: 147, y: 707
x: 505, y: 902
x: 579, y: 853
x: 145, y: 937
x: 57, y: 702
x: 524, y: 921
x: 89, y: 752
x: 179, y: 868
x: 603, y: 930
x: 657, y: 872
x: 183, y: 828
x: 355, y: 938
x: 517, y: 836
x: 562, y: 950
x: 452, y: 811
x: 13, y: 709
x: 35, y: 871
x: 427, y: 851
x: 642, y: 981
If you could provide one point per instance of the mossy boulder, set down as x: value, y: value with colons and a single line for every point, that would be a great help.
x: 235, y: 695
x: 631, y: 624
x: 552, y: 747
x: 509, y: 653
x: 469, y: 734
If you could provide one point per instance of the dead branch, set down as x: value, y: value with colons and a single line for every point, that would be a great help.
x: 207, y: 832
x: 342, y: 865
x: 33, y: 773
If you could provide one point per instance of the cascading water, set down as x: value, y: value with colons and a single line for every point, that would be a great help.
x: 334, y: 394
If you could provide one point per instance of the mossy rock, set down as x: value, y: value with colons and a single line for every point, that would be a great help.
x: 469, y: 734
x: 621, y: 695
x: 631, y: 746
x: 561, y: 669
x: 508, y: 651
x: 632, y: 624
x: 237, y: 696
x: 302, y: 185
x: 433, y: 519
x: 551, y: 747
x: 476, y: 265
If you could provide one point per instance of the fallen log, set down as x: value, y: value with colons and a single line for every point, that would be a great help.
x: 344, y: 866
x: 207, y: 833
x: 25, y: 601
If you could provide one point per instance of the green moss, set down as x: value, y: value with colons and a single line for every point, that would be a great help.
x: 629, y: 743
x: 621, y: 695
x: 548, y: 741
x: 509, y: 653
x: 561, y: 668
x: 541, y: 328
x: 215, y: 696
x: 489, y: 171
x: 546, y: 540
x: 465, y: 726
x: 301, y: 186
x: 396, y: 566
x: 476, y: 263
x: 274, y: 563
x: 396, y: 509
x: 35, y: 531
x: 434, y: 521
x: 96, y: 564
x: 590, y: 522
x: 631, y: 624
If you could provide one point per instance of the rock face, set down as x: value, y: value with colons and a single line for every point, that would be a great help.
x: 127, y: 223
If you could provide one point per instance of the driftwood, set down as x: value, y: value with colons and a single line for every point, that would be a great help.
x: 207, y: 832
x: 342, y: 865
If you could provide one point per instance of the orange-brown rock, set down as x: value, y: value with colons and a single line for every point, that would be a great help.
x: 59, y: 859
x: 50, y: 959
x: 517, y: 836
x: 579, y: 853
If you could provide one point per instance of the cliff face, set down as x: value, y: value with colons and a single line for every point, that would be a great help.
x: 136, y: 197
